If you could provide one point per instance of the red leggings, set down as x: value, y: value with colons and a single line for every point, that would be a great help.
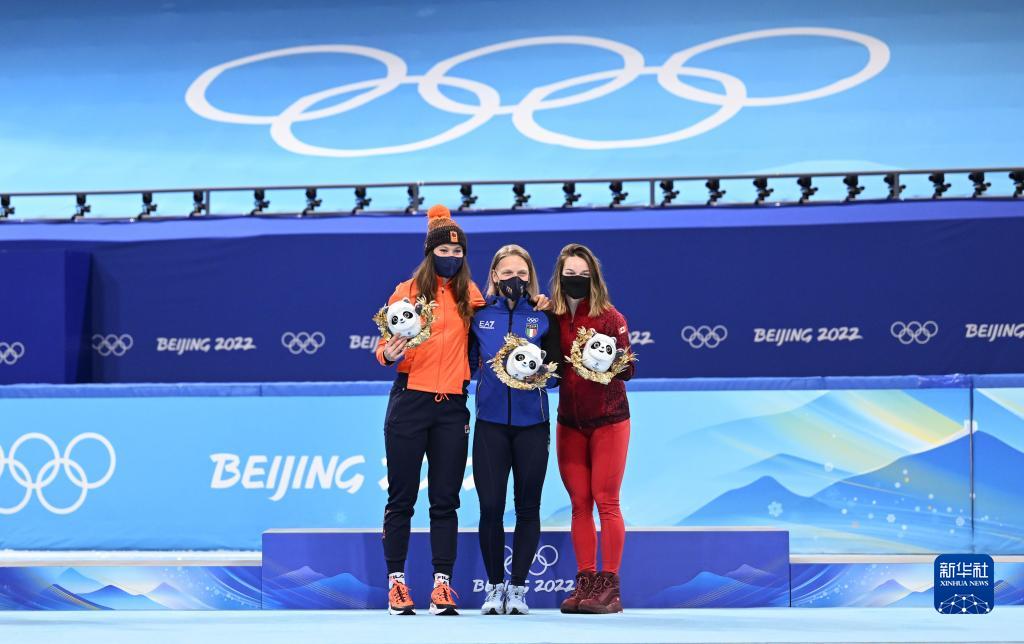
x: 591, y: 465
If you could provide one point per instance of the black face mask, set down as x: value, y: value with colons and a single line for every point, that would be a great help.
x: 575, y: 286
x: 513, y: 288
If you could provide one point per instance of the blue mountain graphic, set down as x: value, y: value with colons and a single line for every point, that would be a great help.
x: 757, y: 577
x: 710, y: 590
x: 885, y: 594
x: 118, y: 599
x: 919, y: 599
x: 340, y: 591
x: 170, y: 597
x: 749, y: 505
x: 301, y: 577
x: 1008, y: 595
x: 56, y: 597
x: 74, y: 581
x: 798, y: 474
x: 942, y: 472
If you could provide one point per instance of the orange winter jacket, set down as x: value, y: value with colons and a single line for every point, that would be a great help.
x: 441, y: 364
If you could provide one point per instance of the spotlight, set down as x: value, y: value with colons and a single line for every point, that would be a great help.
x: 468, y: 198
x: 81, y: 208
x: 895, y: 187
x: 312, y: 203
x: 618, y: 196
x: 259, y: 201
x: 938, y: 180
x: 763, y: 191
x: 362, y: 201
x: 415, y: 200
x: 198, y: 203
x: 715, y: 191
x: 6, y: 209
x: 806, y: 189
x: 1017, y: 177
x: 853, y: 187
x: 519, y: 190
x: 980, y: 185
x: 148, y: 207
x: 571, y: 196
x: 668, y: 192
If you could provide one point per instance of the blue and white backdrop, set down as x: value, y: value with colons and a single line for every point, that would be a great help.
x: 118, y: 94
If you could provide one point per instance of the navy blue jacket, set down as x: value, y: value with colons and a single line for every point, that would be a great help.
x: 496, y: 402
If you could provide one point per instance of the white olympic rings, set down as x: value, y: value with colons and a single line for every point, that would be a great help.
x: 47, y: 474
x: 544, y: 560
x: 733, y: 98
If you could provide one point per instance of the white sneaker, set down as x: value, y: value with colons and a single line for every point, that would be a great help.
x: 494, y: 601
x: 515, y: 601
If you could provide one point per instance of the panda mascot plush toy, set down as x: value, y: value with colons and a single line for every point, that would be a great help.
x: 524, y: 361
x: 600, y: 353
x: 404, y: 318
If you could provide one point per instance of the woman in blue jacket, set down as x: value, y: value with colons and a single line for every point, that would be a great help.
x: 512, y: 431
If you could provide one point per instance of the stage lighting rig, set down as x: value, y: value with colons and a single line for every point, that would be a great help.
x: 853, y: 187
x: 895, y: 187
x: 571, y: 196
x: 806, y: 189
x: 312, y: 203
x: 980, y: 185
x: 618, y: 196
x: 715, y: 191
x: 763, y: 191
x: 938, y: 180
x: 415, y: 200
x: 668, y: 191
x: 362, y: 201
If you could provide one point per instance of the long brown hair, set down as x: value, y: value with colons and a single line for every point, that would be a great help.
x: 533, y: 288
x: 425, y: 278
x: 599, y: 300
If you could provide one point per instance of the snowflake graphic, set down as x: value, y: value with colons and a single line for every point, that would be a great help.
x: 964, y: 604
x: 775, y: 509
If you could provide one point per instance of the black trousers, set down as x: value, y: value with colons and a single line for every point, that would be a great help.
x: 497, y: 450
x: 417, y: 424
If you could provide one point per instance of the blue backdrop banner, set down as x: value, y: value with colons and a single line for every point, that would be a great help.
x: 875, y: 466
x: 911, y: 288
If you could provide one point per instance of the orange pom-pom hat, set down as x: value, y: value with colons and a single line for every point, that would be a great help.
x: 442, y: 229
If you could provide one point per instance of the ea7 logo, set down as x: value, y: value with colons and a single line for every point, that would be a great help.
x: 486, y: 324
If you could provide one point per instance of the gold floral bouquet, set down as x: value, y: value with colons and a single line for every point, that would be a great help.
x: 422, y: 308
x: 535, y: 381
x: 575, y: 358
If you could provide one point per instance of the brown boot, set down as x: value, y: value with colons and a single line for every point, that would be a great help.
x: 604, y: 598
x: 584, y: 584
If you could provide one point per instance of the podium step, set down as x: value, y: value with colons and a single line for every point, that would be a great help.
x: 661, y: 568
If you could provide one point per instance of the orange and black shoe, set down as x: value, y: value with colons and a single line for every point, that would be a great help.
x: 441, y: 602
x: 399, y: 600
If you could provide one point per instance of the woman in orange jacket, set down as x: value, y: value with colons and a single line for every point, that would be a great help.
x: 427, y: 413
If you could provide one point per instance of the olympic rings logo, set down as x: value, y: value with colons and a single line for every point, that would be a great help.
x: 699, y: 337
x: 911, y: 332
x: 47, y: 474
x: 489, y: 104
x: 546, y: 561
x: 11, y: 352
x: 303, y: 342
x: 112, y: 344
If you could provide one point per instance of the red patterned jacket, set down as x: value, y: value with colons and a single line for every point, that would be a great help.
x: 584, y: 404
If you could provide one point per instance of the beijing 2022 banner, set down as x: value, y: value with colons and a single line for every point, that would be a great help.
x: 843, y: 470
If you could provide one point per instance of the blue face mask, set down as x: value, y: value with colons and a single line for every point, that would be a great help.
x: 447, y: 266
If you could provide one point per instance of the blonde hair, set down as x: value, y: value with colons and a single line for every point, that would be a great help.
x: 599, y: 300
x: 513, y: 250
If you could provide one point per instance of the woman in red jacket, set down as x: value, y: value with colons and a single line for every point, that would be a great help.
x: 593, y: 432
